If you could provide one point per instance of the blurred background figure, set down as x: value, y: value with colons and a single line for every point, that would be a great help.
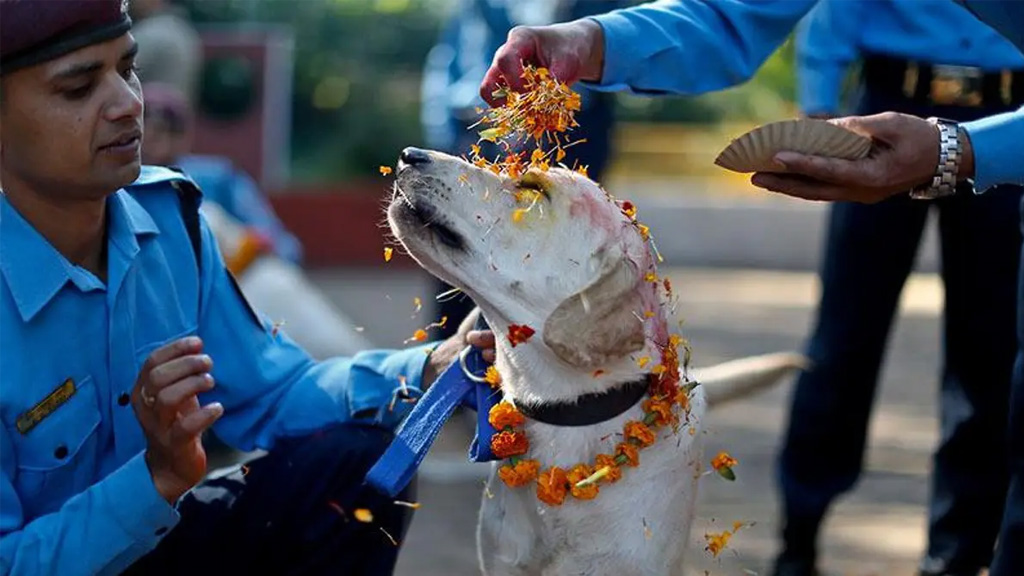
x: 262, y: 254
x: 927, y: 58
x: 450, y: 92
x: 170, y: 49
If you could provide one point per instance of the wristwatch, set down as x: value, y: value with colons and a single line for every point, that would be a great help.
x: 943, y: 183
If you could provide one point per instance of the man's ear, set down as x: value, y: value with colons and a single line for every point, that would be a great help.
x: 602, y: 322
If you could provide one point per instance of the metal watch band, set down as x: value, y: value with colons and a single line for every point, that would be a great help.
x: 944, y: 181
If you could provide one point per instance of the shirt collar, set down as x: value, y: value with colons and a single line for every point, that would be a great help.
x: 35, y: 271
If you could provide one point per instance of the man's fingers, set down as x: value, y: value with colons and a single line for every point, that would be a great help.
x: 480, y: 338
x: 178, y: 369
x: 795, y: 186
x: 507, y: 66
x: 170, y: 399
x: 172, y: 350
x: 835, y: 170
x: 189, y: 426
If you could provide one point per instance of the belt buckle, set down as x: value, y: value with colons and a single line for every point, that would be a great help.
x: 956, y: 86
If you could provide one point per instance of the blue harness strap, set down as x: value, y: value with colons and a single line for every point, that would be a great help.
x: 396, y: 467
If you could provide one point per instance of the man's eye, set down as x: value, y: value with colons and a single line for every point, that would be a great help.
x: 77, y: 93
x: 129, y: 72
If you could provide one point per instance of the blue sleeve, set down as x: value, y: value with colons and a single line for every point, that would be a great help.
x: 65, y: 542
x: 826, y: 44
x: 692, y: 46
x: 252, y: 208
x: 271, y: 388
x: 997, y: 153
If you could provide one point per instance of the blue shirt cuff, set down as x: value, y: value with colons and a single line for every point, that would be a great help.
x: 818, y: 87
x: 621, y: 54
x: 389, y: 407
x: 132, y: 498
x: 996, y: 143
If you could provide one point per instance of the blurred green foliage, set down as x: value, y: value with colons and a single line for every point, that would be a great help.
x: 357, y: 71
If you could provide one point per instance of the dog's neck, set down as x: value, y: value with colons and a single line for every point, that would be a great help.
x: 534, y: 375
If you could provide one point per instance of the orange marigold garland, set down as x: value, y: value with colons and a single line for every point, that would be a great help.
x: 583, y: 480
x: 505, y: 444
x: 552, y: 486
x: 519, y: 474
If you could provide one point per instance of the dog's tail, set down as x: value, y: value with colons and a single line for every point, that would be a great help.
x: 740, y: 378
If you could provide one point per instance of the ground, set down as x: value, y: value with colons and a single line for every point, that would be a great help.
x: 876, y: 530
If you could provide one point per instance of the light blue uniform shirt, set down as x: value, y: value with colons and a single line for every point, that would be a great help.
x: 695, y: 46
x: 237, y: 193
x: 76, y: 496
x: 838, y: 32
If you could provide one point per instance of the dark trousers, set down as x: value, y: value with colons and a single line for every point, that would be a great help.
x: 1009, y: 560
x: 868, y: 253
x: 291, y: 512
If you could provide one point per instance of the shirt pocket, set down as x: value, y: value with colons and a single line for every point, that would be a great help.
x: 54, y: 456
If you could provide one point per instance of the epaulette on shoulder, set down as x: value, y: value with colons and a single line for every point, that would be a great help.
x: 155, y: 175
x: 189, y: 198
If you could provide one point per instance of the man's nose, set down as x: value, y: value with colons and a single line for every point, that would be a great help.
x: 413, y: 156
x: 126, y: 102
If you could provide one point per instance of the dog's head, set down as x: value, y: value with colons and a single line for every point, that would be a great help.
x: 571, y: 264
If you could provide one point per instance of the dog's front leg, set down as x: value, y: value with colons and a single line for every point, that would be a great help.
x: 509, y: 532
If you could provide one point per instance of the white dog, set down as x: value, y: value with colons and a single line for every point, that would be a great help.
x: 576, y: 270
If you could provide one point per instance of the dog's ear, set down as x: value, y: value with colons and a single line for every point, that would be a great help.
x: 602, y: 321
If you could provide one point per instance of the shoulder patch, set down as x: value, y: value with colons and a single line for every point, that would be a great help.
x: 154, y: 176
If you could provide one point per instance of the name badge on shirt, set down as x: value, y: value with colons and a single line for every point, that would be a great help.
x: 54, y: 400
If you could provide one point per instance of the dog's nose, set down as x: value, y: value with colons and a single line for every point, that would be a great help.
x: 413, y: 156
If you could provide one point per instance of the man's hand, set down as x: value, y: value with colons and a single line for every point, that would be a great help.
x: 571, y: 51
x: 449, y: 350
x: 905, y: 155
x: 165, y: 403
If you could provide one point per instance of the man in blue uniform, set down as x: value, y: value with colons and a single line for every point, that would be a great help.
x: 928, y: 58
x: 123, y: 338
x: 686, y: 46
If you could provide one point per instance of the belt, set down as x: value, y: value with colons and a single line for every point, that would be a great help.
x: 944, y: 85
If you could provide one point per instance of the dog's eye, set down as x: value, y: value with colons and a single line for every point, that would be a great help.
x: 531, y: 182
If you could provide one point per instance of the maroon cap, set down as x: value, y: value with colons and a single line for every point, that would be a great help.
x: 34, y: 31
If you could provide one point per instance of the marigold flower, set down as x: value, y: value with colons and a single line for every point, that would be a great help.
x: 640, y: 432
x: 629, y: 209
x: 606, y: 461
x: 683, y: 399
x: 631, y: 452
x: 552, y: 486
x: 579, y: 473
x: 506, y: 444
x: 645, y: 232
x: 504, y: 415
x: 723, y: 464
x: 518, y: 334
x: 717, y: 542
x: 521, y: 474
x: 662, y: 411
x: 643, y: 361
x: 492, y: 377
x: 723, y: 460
